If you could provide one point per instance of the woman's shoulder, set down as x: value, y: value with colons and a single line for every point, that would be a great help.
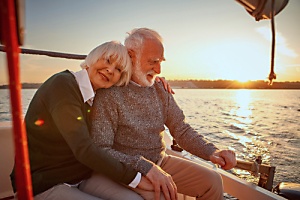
x: 64, y: 77
x: 59, y: 81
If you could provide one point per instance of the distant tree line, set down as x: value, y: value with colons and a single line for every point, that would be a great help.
x: 228, y: 84
x: 24, y: 86
x: 206, y: 84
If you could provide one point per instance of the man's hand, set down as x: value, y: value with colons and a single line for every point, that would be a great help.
x: 162, y: 181
x: 145, y: 184
x: 165, y: 83
x: 225, y: 158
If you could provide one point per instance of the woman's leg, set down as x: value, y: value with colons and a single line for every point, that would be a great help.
x: 65, y: 192
x: 100, y: 186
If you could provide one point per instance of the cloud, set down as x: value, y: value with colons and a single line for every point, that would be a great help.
x: 281, y: 45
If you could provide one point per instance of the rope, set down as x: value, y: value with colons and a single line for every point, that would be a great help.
x: 272, y: 74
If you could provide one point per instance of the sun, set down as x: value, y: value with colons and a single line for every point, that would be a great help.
x: 243, y: 79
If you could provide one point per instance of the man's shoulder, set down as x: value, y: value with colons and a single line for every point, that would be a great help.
x: 113, y: 89
x: 159, y: 86
x: 112, y: 93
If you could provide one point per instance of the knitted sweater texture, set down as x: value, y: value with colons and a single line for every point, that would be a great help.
x: 130, y: 122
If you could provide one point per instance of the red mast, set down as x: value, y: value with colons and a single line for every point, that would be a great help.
x: 9, y: 37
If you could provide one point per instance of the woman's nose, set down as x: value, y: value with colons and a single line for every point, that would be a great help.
x: 110, y: 69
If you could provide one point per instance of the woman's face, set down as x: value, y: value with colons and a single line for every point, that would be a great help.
x: 104, y: 73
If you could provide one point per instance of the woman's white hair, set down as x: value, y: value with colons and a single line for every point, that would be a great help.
x: 137, y: 36
x: 115, y: 50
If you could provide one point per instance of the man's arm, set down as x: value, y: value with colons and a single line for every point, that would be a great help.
x: 187, y: 137
x: 192, y: 141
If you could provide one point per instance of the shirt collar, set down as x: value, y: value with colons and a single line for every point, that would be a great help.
x: 134, y: 83
x: 85, y: 86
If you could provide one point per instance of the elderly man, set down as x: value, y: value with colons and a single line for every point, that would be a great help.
x: 129, y: 122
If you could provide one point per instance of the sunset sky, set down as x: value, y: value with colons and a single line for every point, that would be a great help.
x: 208, y: 40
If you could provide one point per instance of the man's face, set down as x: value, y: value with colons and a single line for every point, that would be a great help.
x: 148, y: 64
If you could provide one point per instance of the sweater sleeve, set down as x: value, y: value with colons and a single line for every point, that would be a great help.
x: 104, y: 128
x: 187, y: 137
x: 68, y: 116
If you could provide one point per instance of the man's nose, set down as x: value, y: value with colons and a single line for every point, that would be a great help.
x: 157, y: 68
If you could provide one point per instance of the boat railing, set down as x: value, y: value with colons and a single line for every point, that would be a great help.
x: 49, y: 53
x: 256, y: 168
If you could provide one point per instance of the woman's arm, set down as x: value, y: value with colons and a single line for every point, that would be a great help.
x: 165, y: 83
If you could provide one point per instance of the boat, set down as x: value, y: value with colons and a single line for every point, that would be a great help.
x: 234, y: 187
x: 13, y: 136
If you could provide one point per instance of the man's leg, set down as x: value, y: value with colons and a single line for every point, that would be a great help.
x: 193, y: 179
x: 64, y: 192
x: 100, y: 186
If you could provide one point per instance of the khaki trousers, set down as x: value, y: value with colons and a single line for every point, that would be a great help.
x: 191, y: 179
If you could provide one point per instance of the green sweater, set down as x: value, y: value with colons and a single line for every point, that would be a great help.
x: 59, y: 143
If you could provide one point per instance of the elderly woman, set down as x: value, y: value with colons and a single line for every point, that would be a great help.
x: 65, y: 164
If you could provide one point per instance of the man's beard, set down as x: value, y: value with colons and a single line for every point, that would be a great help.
x: 142, y: 77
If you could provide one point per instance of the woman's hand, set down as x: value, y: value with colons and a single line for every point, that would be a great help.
x: 165, y: 83
x: 162, y: 182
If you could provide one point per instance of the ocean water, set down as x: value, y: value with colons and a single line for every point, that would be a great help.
x: 251, y: 122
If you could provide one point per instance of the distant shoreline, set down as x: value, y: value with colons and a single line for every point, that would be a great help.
x: 206, y: 84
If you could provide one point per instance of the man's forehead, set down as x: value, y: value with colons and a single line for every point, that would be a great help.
x: 153, y: 49
x: 158, y: 59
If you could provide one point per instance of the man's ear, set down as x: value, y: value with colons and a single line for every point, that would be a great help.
x: 132, y: 55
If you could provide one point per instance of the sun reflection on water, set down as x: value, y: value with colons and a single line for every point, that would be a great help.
x: 241, y: 111
x: 243, y: 99
x: 242, y: 139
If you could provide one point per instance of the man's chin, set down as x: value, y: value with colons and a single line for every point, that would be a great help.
x: 146, y: 81
x: 150, y: 81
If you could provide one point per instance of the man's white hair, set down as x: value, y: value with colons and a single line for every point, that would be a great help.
x: 137, y: 36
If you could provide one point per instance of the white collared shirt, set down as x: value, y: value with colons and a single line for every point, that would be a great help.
x: 85, y: 86
x: 88, y: 94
